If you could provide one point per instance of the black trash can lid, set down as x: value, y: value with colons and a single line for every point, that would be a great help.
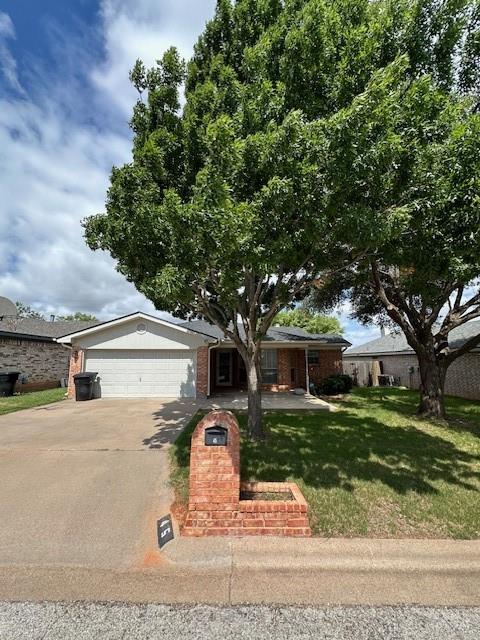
x: 87, y: 375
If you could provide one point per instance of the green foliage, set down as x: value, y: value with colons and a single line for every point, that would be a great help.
x: 26, y: 311
x: 337, y: 384
x: 313, y: 132
x: 311, y: 322
x: 79, y: 316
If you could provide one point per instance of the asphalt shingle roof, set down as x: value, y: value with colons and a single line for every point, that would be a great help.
x: 397, y: 343
x: 43, y: 328
x: 274, y: 334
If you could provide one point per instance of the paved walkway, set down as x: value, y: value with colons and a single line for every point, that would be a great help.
x: 270, y: 401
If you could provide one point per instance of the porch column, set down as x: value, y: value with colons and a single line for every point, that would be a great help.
x: 202, y: 372
x: 307, y: 377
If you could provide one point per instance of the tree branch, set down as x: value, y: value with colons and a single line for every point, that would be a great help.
x: 392, y: 310
x: 451, y: 355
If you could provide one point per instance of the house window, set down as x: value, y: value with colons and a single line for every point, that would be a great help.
x: 314, y: 357
x: 269, y: 366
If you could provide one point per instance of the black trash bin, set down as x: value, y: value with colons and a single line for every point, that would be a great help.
x: 84, y: 385
x: 7, y: 383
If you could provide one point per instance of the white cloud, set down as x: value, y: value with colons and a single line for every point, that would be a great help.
x: 55, y: 159
x: 8, y: 65
x: 144, y: 29
x: 54, y: 164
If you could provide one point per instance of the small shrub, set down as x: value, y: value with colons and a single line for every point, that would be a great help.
x: 348, y: 382
x: 337, y: 384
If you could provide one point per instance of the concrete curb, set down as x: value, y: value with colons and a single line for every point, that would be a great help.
x: 325, y: 553
x: 270, y: 571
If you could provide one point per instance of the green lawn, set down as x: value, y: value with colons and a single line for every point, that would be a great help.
x: 370, y: 469
x: 32, y: 399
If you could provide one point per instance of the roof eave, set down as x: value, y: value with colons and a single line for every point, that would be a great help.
x: 26, y: 336
x: 293, y: 343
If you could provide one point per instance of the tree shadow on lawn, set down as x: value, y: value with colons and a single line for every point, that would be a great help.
x: 337, y: 449
x: 462, y: 415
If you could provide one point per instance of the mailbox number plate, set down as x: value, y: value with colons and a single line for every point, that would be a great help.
x: 164, y: 530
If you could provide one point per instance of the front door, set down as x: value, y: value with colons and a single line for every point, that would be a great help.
x: 224, y: 367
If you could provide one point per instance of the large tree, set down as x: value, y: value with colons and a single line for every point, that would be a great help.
x: 217, y: 214
x: 406, y: 156
x: 308, y: 320
x: 26, y: 311
x: 79, y: 316
x: 224, y: 210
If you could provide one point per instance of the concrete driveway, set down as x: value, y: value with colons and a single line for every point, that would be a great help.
x: 82, y: 484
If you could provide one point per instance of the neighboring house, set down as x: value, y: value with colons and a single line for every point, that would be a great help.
x: 140, y: 355
x: 28, y: 345
x: 392, y: 355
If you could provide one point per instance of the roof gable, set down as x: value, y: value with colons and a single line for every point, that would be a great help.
x: 397, y: 343
x: 125, y: 320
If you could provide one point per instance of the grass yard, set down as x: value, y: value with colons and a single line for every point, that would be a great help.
x: 29, y: 400
x: 371, y: 468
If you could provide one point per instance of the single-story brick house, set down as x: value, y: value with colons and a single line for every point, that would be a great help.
x: 28, y: 345
x: 391, y: 355
x: 139, y: 355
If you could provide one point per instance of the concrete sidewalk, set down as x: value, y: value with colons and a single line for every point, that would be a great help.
x: 269, y: 571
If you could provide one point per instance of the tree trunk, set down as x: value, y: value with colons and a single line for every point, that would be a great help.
x: 255, y: 429
x: 432, y: 383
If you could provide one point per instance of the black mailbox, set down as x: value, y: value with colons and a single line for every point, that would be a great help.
x: 216, y: 436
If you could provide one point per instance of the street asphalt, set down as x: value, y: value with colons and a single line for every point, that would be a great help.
x: 48, y: 621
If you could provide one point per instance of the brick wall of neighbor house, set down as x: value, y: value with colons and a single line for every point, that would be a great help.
x: 202, y: 372
x: 76, y: 366
x: 330, y: 364
x: 44, y: 363
x: 463, y: 376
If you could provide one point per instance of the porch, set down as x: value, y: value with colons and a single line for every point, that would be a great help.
x: 283, y: 369
x: 271, y: 401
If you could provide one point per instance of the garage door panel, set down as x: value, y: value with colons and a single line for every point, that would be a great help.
x: 144, y: 373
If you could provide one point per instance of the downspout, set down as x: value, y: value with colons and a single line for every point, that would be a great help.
x: 70, y: 348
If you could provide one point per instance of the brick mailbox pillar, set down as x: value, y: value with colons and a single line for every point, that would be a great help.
x: 215, y: 506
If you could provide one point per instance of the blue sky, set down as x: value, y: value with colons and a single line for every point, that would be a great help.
x: 65, y: 101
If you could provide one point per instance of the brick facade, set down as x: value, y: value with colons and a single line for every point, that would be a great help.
x: 330, y: 363
x: 215, y: 507
x: 202, y: 372
x: 292, y: 372
x: 463, y: 376
x: 76, y: 366
x: 44, y: 363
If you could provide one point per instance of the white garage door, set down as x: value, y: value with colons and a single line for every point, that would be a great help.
x: 139, y: 373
